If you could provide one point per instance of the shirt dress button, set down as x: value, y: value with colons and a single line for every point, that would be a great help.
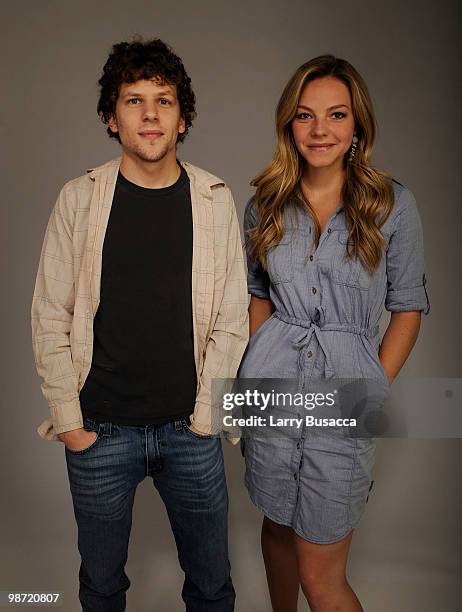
x: 309, y: 354
x: 329, y: 230
x: 295, y: 476
x: 311, y: 257
x: 313, y: 289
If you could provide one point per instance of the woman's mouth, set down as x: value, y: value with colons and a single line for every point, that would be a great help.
x: 321, y: 148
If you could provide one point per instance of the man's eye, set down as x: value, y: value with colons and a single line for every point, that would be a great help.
x: 134, y: 100
x: 164, y: 101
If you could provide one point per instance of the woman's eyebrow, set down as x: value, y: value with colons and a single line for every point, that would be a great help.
x: 330, y: 107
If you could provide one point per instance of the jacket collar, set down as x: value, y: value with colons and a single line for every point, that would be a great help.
x: 201, y: 177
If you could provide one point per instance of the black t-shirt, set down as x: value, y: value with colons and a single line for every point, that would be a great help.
x: 143, y: 368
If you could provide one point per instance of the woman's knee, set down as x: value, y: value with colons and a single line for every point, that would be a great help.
x: 318, y: 584
x: 322, y: 567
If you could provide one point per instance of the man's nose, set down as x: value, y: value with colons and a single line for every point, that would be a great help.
x: 150, y: 112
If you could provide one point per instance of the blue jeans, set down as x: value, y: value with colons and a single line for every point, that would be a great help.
x: 188, y: 471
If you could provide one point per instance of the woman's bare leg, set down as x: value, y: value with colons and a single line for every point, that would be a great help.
x: 322, y: 572
x: 278, y: 546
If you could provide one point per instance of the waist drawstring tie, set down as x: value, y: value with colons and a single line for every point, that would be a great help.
x: 313, y: 328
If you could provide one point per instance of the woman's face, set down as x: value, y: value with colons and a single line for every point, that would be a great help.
x: 323, y: 127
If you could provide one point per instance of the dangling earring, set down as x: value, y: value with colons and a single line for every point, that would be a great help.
x: 353, y: 147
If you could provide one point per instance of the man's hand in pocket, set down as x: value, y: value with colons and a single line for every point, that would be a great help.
x: 78, y: 439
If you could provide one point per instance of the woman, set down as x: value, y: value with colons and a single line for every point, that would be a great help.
x: 329, y: 240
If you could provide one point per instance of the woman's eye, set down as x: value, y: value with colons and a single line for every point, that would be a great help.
x: 302, y: 116
x: 338, y: 115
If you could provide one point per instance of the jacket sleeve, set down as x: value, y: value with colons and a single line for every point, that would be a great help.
x: 229, y: 337
x: 51, y: 316
x: 257, y: 278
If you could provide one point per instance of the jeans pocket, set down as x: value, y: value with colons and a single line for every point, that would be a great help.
x: 186, y: 427
x: 88, y: 425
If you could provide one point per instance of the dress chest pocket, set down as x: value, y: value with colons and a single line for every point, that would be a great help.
x: 347, y: 271
x: 279, y: 258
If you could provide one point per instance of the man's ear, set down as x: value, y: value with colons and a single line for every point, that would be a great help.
x: 182, y: 125
x: 112, y: 123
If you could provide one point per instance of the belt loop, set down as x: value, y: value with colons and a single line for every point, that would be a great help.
x: 105, y: 428
x: 178, y: 424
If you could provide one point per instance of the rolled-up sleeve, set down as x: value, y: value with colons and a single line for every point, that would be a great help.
x: 406, y: 279
x: 257, y: 278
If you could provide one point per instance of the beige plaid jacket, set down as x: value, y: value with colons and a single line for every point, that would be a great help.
x: 67, y: 291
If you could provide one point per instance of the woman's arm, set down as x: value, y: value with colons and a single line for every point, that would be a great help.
x: 398, y: 341
x: 260, y: 310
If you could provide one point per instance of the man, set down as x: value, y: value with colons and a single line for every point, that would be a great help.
x: 128, y: 338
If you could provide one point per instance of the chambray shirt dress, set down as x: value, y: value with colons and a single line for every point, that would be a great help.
x: 325, y: 325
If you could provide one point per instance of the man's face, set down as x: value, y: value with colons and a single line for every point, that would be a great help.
x: 148, y: 119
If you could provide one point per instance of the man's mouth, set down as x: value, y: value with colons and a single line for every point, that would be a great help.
x: 151, y: 134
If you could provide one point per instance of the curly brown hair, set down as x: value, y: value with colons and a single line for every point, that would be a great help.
x: 133, y: 61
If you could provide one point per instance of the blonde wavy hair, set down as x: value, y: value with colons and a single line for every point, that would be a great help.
x: 367, y: 192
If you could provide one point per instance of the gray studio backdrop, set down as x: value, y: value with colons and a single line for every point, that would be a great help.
x: 406, y: 552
